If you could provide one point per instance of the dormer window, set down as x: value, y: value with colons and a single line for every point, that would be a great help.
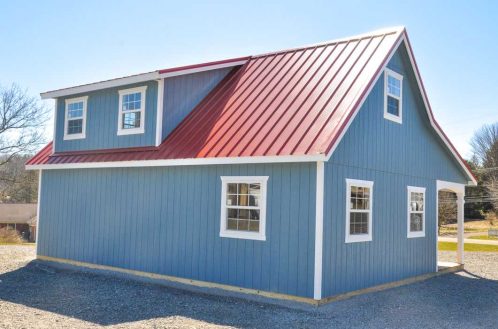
x: 131, y: 111
x: 393, y: 93
x: 75, y: 118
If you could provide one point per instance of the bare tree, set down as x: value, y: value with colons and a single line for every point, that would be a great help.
x: 483, y: 141
x: 22, y: 120
x: 485, y: 147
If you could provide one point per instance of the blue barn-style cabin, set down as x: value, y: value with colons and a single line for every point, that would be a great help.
x: 303, y: 174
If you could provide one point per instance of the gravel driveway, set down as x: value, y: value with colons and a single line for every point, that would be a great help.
x: 33, y: 296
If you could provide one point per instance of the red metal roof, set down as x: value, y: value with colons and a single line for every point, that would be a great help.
x: 292, y: 102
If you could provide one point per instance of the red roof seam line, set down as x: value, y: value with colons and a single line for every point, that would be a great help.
x: 344, y: 124
x: 312, y: 77
x: 228, y: 92
x: 271, y: 76
x: 296, y: 97
x: 331, y: 97
x: 221, y: 124
x: 319, y: 96
x: 304, y: 101
x: 244, y: 111
x: 258, y: 109
x: 283, y: 99
x: 345, y: 93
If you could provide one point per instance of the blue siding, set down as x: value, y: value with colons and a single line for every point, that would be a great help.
x: 183, y: 93
x: 166, y: 220
x: 102, y: 121
x: 393, y: 156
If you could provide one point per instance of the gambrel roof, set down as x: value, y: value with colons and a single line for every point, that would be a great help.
x: 286, y: 106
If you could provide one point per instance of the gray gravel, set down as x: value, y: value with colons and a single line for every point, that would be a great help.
x: 34, y: 296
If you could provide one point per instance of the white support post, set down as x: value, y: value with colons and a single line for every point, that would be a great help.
x: 460, y: 229
x: 320, y: 177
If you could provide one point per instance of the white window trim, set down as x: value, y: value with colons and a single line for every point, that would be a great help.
x: 81, y: 135
x: 141, y: 129
x: 224, y: 232
x: 358, y: 237
x: 419, y: 234
x: 387, y: 115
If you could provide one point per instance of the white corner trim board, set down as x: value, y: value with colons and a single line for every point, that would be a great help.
x: 159, y: 111
x: 320, y: 186
x: 37, y: 232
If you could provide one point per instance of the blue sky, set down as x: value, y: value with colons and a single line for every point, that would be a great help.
x: 54, y: 44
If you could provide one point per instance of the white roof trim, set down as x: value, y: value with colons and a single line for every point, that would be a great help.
x: 202, y: 69
x: 180, y: 162
x: 426, y: 103
x: 139, y: 78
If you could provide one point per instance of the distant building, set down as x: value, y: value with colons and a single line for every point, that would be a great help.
x: 20, y: 217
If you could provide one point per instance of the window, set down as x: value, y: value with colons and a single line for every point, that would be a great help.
x: 393, y: 93
x: 75, y: 118
x: 416, y: 212
x: 358, y: 210
x: 243, y: 207
x: 131, y: 111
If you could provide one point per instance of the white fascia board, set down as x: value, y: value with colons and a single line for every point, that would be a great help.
x: 201, y: 69
x: 180, y: 162
x: 101, y: 85
x: 426, y: 104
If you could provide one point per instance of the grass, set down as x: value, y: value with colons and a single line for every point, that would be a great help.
x: 452, y: 246
x: 469, y: 227
x: 484, y: 237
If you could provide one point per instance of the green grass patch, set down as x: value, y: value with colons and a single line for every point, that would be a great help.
x: 484, y: 237
x: 452, y: 246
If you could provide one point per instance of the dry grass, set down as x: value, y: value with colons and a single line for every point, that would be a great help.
x: 9, y: 236
x: 471, y: 226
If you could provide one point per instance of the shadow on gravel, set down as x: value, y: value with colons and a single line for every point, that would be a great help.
x: 456, y: 300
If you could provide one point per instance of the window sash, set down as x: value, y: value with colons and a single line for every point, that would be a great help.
x: 253, y: 227
x: 368, y: 196
x: 73, y: 106
x: 132, y: 96
x: 413, y: 193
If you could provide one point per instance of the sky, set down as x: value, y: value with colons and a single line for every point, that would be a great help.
x: 48, y: 45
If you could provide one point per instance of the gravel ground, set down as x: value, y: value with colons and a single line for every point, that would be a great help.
x: 35, y: 296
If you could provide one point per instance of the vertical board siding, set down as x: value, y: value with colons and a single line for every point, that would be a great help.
x: 102, y: 121
x: 167, y: 220
x: 393, y: 156
x: 182, y: 93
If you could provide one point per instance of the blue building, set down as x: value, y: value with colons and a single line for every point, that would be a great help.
x: 305, y: 173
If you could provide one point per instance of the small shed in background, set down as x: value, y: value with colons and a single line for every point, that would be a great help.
x: 20, y: 217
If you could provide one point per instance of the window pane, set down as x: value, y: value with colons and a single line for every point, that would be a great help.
x: 358, y: 223
x: 417, y: 201
x: 132, y: 102
x: 75, y: 110
x: 254, y: 214
x: 131, y: 120
x: 254, y: 200
x: 232, y: 224
x: 416, y: 222
x: 243, y: 214
x: 231, y: 200
x: 243, y: 225
x: 393, y: 86
x: 232, y: 188
x: 243, y: 200
x: 392, y: 106
x: 75, y: 126
x: 254, y: 188
x: 360, y: 198
x: 254, y: 226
